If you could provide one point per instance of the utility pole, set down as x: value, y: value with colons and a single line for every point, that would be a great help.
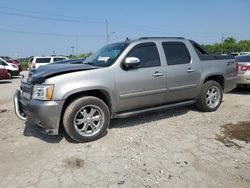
x: 107, y: 30
x: 76, y: 40
x: 72, y: 48
x: 222, y: 42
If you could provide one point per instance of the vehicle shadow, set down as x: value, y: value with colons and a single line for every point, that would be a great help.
x: 241, y: 91
x: 32, y: 130
x: 5, y: 82
x: 149, y: 117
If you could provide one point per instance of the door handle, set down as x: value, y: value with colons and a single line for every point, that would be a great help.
x: 158, y: 74
x: 190, y: 70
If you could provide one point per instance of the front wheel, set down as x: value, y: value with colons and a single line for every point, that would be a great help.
x: 10, y: 75
x: 86, y: 119
x: 210, y: 97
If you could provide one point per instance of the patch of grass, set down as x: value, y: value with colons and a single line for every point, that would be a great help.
x: 24, y: 64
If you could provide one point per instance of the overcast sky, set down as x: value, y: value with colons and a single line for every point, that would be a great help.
x: 44, y: 27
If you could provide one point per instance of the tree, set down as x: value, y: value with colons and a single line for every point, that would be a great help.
x: 230, y: 45
x: 230, y: 40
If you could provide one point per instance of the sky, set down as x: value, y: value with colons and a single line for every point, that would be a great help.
x: 46, y: 27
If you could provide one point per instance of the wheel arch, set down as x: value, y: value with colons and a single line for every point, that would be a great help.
x: 98, y: 93
x: 215, y: 77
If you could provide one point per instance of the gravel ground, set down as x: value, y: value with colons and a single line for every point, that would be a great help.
x: 174, y: 148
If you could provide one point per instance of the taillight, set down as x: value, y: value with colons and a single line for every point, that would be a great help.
x: 33, y: 65
x: 237, y: 67
x: 245, y: 68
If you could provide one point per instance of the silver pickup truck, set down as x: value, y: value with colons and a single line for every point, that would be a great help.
x: 121, y: 80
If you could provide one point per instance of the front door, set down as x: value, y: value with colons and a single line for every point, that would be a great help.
x: 143, y: 85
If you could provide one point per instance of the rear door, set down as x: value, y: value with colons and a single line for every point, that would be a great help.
x: 182, y: 72
x: 144, y: 85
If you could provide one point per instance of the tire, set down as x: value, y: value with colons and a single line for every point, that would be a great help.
x: 205, y: 98
x: 10, y: 75
x: 86, y: 119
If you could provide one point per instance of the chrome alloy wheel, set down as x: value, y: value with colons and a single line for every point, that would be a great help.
x: 213, y: 97
x: 89, y: 120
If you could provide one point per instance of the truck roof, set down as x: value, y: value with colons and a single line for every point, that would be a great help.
x: 154, y: 38
x: 143, y: 38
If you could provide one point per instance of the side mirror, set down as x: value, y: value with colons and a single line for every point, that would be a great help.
x: 131, y: 62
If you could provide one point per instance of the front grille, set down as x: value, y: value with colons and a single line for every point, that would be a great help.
x: 26, y: 89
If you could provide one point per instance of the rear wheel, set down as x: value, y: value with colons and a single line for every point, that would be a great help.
x: 86, y: 119
x: 210, y: 96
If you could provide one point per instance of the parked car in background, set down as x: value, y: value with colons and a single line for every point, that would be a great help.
x: 58, y: 61
x: 12, y: 69
x: 3, y: 73
x: 121, y: 80
x: 14, y: 61
x: 70, y: 61
x: 243, y: 70
x: 37, y: 61
x: 239, y: 53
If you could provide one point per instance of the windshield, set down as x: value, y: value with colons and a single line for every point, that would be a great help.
x: 107, y: 55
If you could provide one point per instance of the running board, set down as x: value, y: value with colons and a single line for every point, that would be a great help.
x: 151, y: 109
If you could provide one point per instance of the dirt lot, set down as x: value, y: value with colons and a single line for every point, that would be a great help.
x: 174, y: 148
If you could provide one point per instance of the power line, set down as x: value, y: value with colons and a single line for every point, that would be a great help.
x: 52, y: 34
x: 40, y: 13
x: 57, y: 34
x: 49, y: 18
x: 117, y: 23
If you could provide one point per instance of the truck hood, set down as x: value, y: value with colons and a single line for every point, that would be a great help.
x: 48, y: 71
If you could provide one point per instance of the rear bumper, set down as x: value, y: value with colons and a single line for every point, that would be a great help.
x: 45, y: 114
x: 244, y: 79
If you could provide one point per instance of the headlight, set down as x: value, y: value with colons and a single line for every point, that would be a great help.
x: 43, y: 92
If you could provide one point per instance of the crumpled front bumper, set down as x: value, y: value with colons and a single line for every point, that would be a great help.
x: 45, y: 114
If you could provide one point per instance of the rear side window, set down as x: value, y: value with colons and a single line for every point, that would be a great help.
x: 147, y: 54
x: 176, y: 53
x: 30, y: 61
x: 199, y: 49
x: 42, y: 60
x: 243, y: 58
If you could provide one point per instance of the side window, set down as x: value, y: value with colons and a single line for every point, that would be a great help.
x: 2, y: 63
x: 57, y: 59
x: 30, y: 61
x: 147, y: 53
x: 43, y: 60
x: 176, y: 53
